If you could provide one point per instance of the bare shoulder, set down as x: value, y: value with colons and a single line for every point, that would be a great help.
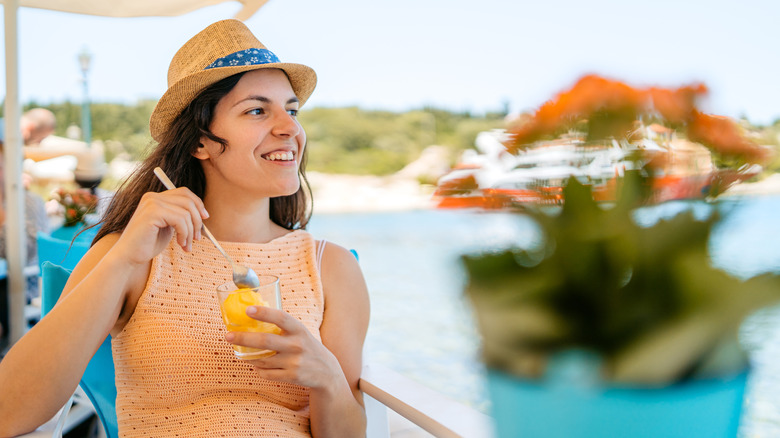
x: 338, y: 256
x: 341, y: 273
x: 337, y: 262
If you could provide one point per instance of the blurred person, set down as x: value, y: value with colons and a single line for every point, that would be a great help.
x: 35, y: 219
x: 35, y: 124
x: 229, y: 139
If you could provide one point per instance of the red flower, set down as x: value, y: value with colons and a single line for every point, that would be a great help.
x: 610, y: 108
x: 77, y: 203
x: 722, y: 135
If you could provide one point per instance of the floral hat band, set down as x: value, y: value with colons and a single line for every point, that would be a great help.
x: 245, y: 57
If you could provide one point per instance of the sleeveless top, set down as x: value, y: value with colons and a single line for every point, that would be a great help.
x: 175, y: 373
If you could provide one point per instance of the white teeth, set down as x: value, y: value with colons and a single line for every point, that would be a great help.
x: 280, y: 156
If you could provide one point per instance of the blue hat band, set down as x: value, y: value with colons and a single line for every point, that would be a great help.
x: 245, y: 57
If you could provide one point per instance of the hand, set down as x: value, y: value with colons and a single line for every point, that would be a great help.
x: 300, y: 358
x: 27, y: 180
x: 156, y: 218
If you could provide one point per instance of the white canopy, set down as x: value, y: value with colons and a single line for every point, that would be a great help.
x: 135, y: 8
x: 16, y: 252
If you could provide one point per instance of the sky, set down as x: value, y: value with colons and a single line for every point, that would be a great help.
x: 477, y: 56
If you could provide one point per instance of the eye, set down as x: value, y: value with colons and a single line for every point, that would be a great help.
x: 256, y: 111
x: 293, y: 112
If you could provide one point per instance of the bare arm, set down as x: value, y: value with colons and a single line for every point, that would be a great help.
x: 337, y: 409
x: 44, y: 367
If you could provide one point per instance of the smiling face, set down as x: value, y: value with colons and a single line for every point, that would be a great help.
x: 265, y: 142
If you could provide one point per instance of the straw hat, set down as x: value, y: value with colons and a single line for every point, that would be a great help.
x: 222, y: 49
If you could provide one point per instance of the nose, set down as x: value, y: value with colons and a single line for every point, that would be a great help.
x: 285, y: 125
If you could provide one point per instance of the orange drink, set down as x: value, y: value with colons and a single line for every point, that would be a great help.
x: 233, y: 304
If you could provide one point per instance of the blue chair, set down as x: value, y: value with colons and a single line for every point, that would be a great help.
x: 98, y: 379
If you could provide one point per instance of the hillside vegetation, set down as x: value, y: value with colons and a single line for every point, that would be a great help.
x: 341, y: 140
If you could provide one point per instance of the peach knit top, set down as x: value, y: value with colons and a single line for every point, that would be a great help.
x: 175, y: 373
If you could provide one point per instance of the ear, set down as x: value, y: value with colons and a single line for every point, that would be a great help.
x: 201, y: 152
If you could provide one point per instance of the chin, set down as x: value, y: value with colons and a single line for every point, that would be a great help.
x: 289, y: 190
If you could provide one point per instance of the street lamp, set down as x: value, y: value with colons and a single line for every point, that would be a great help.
x: 91, y: 166
x: 86, y: 123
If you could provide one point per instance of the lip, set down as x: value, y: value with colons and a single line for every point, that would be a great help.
x: 282, y: 163
x: 292, y: 149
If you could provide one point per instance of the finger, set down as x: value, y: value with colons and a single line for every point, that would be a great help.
x: 196, y: 209
x: 159, y: 213
x: 182, y: 202
x: 187, y: 224
x: 182, y: 223
x: 276, y: 316
x: 197, y: 203
x: 262, y: 341
x: 180, y: 220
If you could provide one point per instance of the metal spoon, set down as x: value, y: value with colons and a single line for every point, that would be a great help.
x: 243, y: 276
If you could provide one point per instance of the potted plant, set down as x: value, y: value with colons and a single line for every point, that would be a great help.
x: 74, y: 206
x: 607, y: 327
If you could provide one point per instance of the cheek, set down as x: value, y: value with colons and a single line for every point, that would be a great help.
x: 301, y: 143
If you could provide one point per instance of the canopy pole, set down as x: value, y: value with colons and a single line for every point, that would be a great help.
x: 16, y: 245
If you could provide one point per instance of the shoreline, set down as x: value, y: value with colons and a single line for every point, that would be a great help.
x: 402, y: 191
x: 344, y: 193
x: 767, y: 186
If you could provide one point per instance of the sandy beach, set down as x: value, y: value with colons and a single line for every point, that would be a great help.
x: 767, y: 186
x: 363, y: 193
x: 344, y: 193
x: 336, y: 193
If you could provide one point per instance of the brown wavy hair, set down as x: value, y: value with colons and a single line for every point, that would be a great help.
x: 174, y: 154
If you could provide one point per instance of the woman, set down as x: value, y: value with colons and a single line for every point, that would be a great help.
x: 229, y: 139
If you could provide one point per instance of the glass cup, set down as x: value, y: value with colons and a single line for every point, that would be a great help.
x: 233, y: 303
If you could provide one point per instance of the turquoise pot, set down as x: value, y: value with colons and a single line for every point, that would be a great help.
x: 698, y: 408
x: 67, y: 233
x: 60, y: 248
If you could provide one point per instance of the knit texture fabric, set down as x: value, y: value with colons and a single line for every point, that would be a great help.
x: 175, y: 373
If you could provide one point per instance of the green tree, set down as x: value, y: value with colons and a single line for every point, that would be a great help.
x: 340, y: 140
x: 356, y: 141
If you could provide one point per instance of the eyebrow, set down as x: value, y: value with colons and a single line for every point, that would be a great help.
x: 264, y: 99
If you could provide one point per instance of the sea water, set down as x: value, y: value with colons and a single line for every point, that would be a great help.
x: 422, y: 325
